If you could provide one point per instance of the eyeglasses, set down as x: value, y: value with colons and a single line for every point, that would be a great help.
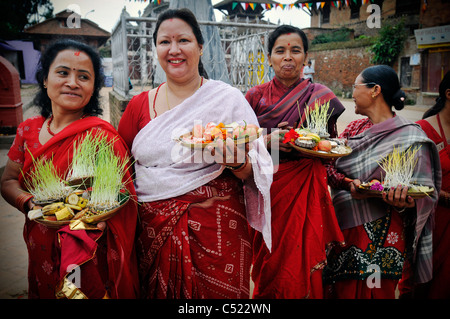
x: 370, y: 83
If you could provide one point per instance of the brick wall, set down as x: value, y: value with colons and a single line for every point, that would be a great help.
x: 338, y: 69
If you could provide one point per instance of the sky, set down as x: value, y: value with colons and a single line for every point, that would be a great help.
x: 106, y: 13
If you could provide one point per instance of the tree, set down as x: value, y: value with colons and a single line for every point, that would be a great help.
x: 389, y: 44
x: 15, y: 15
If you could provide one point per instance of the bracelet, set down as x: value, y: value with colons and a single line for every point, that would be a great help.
x: 400, y: 210
x: 240, y: 167
x: 21, y: 201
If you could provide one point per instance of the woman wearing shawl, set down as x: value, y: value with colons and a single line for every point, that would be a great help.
x: 193, y: 240
x: 303, y: 219
x: 104, y: 257
x: 436, y: 123
x: 378, y: 245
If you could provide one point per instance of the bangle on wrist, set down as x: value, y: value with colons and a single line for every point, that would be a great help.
x: 347, y: 182
x: 240, y: 167
x: 400, y: 210
x: 22, y: 202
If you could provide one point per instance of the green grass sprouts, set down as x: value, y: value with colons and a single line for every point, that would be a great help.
x: 109, y: 172
x: 399, y: 167
x: 85, y: 156
x: 43, y: 182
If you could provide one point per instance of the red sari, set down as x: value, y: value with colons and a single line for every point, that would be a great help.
x: 107, y: 263
x: 439, y: 286
x: 303, y: 218
x: 194, y: 246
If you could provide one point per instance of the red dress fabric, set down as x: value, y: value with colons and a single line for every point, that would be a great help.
x: 108, y: 267
x: 302, y: 227
x: 439, y: 286
x: 196, y: 245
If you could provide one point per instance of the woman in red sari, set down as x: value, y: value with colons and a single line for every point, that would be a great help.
x: 303, y: 219
x: 436, y: 123
x: 193, y: 236
x: 70, y: 80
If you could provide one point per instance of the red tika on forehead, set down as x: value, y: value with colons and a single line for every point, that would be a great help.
x: 77, y: 53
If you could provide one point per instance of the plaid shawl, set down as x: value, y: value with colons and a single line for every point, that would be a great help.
x: 370, y: 147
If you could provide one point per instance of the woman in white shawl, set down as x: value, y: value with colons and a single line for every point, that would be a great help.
x: 196, y: 204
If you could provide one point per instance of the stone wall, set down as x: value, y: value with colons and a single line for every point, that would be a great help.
x: 117, y: 105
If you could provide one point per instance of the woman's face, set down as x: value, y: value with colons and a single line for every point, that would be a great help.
x: 70, y: 80
x: 178, y: 50
x: 287, y: 58
x: 362, y: 95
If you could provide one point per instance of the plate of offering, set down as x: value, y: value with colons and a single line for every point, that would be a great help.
x: 375, y: 188
x: 200, y: 136
x: 398, y: 168
x: 312, y: 144
x: 77, y: 206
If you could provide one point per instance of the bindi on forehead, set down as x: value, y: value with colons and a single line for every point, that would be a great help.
x: 77, y: 53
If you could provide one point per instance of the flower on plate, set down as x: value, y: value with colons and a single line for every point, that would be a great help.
x: 376, y: 187
x: 290, y: 136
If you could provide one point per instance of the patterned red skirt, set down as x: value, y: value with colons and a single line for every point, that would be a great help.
x: 196, y: 245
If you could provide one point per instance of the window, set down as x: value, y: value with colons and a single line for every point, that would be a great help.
x: 405, y: 72
x: 407, y: 7
x: 326, y: 13
x: 354, y: 10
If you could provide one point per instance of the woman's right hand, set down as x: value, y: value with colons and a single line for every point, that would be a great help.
x: 353, y: 188
x: 276, y: 137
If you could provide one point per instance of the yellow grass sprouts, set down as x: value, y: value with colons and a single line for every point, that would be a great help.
x: 317, y: 118
x: 399, y: 167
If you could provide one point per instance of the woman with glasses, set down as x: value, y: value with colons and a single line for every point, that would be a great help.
x: 389, y: 235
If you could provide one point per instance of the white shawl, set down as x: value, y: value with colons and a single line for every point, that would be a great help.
x: 165, y: 169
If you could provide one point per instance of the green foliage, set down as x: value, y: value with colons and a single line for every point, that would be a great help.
x: 389, y: 44
x: 340, y: 35
x: 15, y: 15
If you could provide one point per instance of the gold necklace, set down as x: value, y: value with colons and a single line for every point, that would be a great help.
x: 167, y: 96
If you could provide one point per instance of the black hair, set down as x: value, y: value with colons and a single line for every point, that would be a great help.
x: 440, y: 101
x: 187, y: 16
x: 42, y: 101
x: 387, y: 79
x: 285, y: 29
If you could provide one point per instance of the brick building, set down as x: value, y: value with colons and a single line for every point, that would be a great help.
x: 422, y: 63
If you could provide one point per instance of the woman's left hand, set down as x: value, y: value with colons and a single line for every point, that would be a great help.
x: 399, y: 198
x: 227, y: 152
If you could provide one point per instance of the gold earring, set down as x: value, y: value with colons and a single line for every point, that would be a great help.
x: 201, y: 52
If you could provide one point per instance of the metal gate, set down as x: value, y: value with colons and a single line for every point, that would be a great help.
x: 243, y: 63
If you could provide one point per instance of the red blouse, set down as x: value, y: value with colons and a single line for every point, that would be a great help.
x: 27, y: 136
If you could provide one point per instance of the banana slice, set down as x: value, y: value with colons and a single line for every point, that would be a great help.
x: 74, y: 207
x: 64, y: 214
x: 72, y: 199
x: 52, y: 208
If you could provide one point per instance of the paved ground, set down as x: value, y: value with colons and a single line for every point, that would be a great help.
x: 13, y: 253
